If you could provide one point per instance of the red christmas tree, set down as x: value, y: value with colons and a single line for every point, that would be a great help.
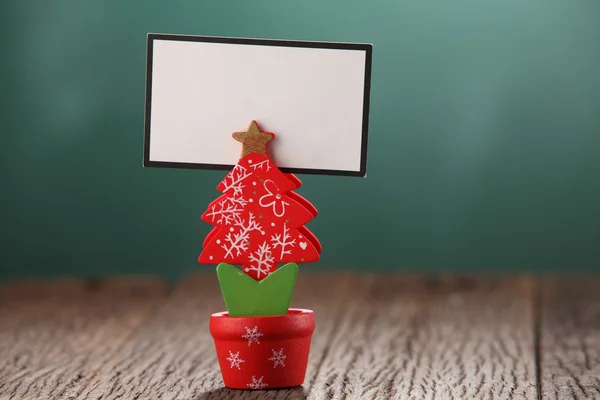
x: 259, y: 220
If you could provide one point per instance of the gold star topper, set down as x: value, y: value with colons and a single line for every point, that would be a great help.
x: 254, y: 140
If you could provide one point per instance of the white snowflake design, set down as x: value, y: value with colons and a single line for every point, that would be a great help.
x: 262, y: 259
x: 257, y: 383
x: 282, y: 241
x: 227, y: 210
x: 234, y: 179
x: 239, y: 241
x: 234, y: 359
x: 252, y: 335
x: 262, y: 165
x: 278, y: 358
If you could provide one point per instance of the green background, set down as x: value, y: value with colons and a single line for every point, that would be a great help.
x: 484, y: 144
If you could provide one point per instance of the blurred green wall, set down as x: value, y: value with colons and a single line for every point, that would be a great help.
x: 484, y: 147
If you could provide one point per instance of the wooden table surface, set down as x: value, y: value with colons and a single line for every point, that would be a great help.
x: 377, y: 337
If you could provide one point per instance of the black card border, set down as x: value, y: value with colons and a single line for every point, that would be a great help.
x: 368, y: 48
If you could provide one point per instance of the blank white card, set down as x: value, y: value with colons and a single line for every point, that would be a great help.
x: 314, y: 96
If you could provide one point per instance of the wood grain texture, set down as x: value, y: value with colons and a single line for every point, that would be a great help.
x: 377, y: 337
x: 54, y: 337
x: 173, y: 357
x: 570, y: 338
x: 402, y: 338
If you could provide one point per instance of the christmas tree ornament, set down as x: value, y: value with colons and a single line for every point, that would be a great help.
x: 259, y: 223
x: 258, y: 232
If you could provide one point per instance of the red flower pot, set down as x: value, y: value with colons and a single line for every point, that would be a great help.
x: 263, y: 352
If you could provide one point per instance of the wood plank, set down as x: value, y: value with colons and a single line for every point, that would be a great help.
x: 55, y: 336
x: 172, y: 356
x: 376, y: 337
x: 326, y: 294
x: 442, y: 338
x: 43, y: 290
x: 570, y: 338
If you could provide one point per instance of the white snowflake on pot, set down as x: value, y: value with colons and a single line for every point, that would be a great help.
x: 252, y: 335
x: 257, y: 383
x: 278, y: 358
x: 234, y: 359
